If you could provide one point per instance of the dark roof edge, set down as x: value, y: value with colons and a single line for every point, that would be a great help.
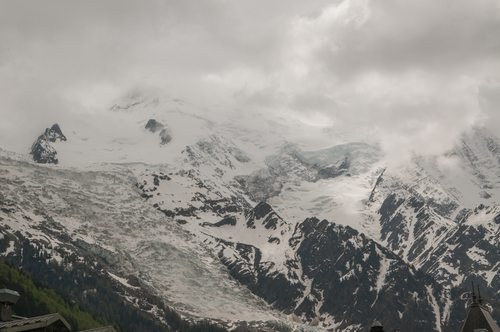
x: 101, y: 329
x: 34, y: 323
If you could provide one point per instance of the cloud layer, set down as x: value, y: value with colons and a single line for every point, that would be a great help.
x: 417, y: 73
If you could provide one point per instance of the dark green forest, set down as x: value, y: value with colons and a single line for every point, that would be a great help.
x: 37, y: 299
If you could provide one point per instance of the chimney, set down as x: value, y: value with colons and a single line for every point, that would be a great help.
x: 7, y: 299
x: 376, y: 327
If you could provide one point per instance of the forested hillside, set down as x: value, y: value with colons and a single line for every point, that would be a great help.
x: 37, y: 299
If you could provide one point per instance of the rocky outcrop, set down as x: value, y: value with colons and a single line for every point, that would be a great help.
x: 265, y: 214
x: 165, y: 132
x: 154, y: 126
x: 165, y: 136
x: 53, y: 134
x: 42, y: 151
x: 333, y: 171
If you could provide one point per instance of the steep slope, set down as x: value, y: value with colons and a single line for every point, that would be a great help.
x: 432, y: 214
x: 300, y: 269
x: 333, y: 277
x: 37, y: 300
x: 303, y: 268
x: 102, y: 214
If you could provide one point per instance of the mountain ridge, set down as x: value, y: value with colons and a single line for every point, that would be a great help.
x: 215, y: 202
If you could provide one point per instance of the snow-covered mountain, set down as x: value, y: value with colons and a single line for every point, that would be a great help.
x: 271, y: 219
x: 441, y: 214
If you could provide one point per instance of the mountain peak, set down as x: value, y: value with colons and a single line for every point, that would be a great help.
x: 54, y: 133
x: 42, y: 151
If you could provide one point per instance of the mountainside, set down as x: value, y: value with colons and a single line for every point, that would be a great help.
x: 274, y: 223
x: 104, y: 217
x: 445, y: 219
x: 38, y: 300
x: 101, y: 216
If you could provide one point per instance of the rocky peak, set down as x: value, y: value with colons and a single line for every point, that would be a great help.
x: 53, y: 134
x: 264, y: 212
x: 42, y: 151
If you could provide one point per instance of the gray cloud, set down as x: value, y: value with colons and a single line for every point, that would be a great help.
x: 416, y: 72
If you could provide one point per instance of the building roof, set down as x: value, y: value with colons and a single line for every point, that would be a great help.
x: 478, y: 317
x: 102, y: 329
x: 376, y: 327
x: 55, y: 321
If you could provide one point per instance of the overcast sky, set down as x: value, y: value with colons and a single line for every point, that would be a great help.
x: 418, y: 72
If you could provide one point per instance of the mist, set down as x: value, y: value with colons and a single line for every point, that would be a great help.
x: 415, y: 75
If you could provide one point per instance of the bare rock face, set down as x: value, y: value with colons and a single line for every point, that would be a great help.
x: 42, y: 151
x: 53, y: 134
x: 333, y: 171
x: 165, y: 135
x: 165, y: 132
x: 154, y: 126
